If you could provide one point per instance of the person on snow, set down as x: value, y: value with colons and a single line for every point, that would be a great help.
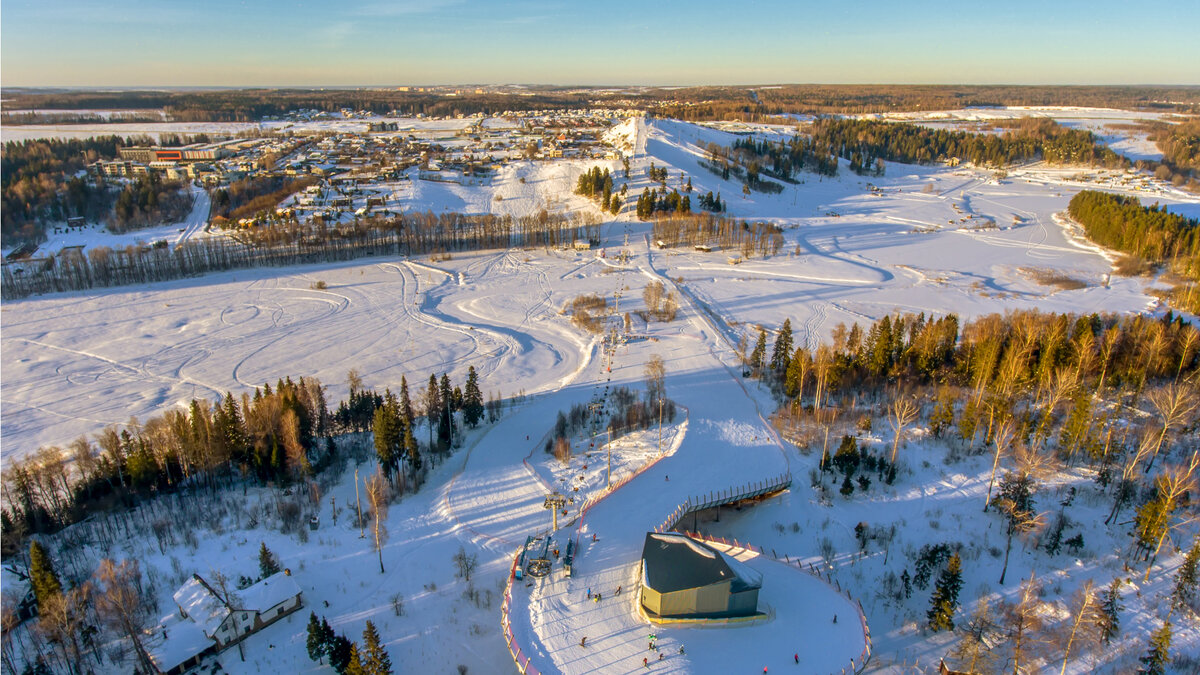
x: 795, y: 656
x: 618, y: 590
x: 646, y: 663
x: 583, y: 641
x: 835, y: 618
x: 589, y: 592
x: 680, y: 649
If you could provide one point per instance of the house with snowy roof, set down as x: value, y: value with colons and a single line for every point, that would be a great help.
x: 686, y: 578
x: 209, y: 620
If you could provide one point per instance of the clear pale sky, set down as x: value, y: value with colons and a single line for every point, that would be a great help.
x: 352, y: 42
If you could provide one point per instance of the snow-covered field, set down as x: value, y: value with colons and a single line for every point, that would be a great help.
x: 930, y: 239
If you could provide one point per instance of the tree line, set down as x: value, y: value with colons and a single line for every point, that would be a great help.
x: 1029, y: 139
x: 293, y: 243
x: 1149, y: 232
x: 281, y: 434
x: 1032, y: 393
x: 750, y: 238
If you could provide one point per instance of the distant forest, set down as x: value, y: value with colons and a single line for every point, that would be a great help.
x: 691, y: 103
x: 291, y: 243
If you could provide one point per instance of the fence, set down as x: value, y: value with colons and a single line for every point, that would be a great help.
x: 728, y: 496
x: 520, y: 658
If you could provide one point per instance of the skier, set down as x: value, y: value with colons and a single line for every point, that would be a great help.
x: 835, y: 618
x: 593, y: 536
x: 680, y: 649
x: 583, y: 642
x: 796, y: 656
x: 618, y: 590
x: 589, y: 592
x: 646, y: 663
x: 660, y: 656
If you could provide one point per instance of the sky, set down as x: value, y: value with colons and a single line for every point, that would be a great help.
x: 147, y: 43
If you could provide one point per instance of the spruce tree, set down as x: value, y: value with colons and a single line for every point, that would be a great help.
x: 375, y: 659
x: 472, y: 399
x: 354, y: 664
x: 315, y: 641
x: 1155, y: 661
x: 1110, y: 611
x: 268, y: 564
x: 42, y: 576
x: 406, y: 408
x: 781, y: 355
x: 433, y: 405
x: 412, y: 451
x: 1185, y: 579
x: 446, y: 422
x: 389, y: 439
x: 340, y: 650
x: 944, y: 601
x: 760, y: 351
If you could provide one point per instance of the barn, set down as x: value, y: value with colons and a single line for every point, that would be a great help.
x: 686, y: 578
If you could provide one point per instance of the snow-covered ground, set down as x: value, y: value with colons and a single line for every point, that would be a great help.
x: 922, y: 242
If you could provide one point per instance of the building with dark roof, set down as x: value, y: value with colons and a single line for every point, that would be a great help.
x: 686, y: 578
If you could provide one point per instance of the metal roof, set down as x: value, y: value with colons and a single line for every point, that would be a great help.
x: 674, y: 562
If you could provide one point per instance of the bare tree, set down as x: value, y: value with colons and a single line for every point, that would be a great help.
x: 1174, y: 403
x: 61, y: 620
x: 656, y: 376
x: 973, y: 650
x: 901, y: 413
x: 1084, y: 627
x: 1172, y: 484
x: 120, y: 604
x: 1003, y: 439
x: 465, y: 563
x: 377, y: 494
x: 1023, y: 623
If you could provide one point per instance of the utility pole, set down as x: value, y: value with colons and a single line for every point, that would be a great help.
x: 660, y: 407
x: 358, y: 503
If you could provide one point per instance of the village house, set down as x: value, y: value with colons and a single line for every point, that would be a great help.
x: 210, y: 621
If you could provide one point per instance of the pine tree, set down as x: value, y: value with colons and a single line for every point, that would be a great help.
x: 472, y: 399
x: 760, y: 351
x: 268, y: 564
x: 1185, y: 579
x: 782, y: 354
x: 1155, y: 661
x: 315, y: 641
x: 375, y: 658
x: 42, y: 576
x: 944, y: 601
